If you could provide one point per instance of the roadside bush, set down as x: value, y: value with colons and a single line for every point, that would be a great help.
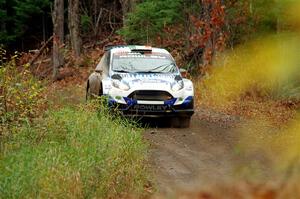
x: 74, y: 153
x: 20, y: 94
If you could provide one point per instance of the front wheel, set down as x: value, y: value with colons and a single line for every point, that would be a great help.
x: 181, y: 122
x: 88, y: 95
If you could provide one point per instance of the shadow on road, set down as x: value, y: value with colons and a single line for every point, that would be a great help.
x: 155, y: 122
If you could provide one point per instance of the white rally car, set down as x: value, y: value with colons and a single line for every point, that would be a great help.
x: 143, y: 81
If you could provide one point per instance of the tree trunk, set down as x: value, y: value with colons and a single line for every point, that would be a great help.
x: 213, y: 15
x: 58, y: 36
x: 74, y: 26
x: 127, y: 6
x: 206, y: 15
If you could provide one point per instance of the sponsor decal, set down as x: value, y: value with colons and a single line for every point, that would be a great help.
x: 140, y: 78
x: 150, y: 107
x: 148, y: 76
x: 124, y: 55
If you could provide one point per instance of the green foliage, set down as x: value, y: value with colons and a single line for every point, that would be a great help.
x: 16, y: 17
x: 20, y: 94
x: 74, y: 153
x: 149, y: 18
x: 4, y: 19
x: 252, y: 18
x: 265, y: 13
x: 85, y: 23
x: 25, y: 10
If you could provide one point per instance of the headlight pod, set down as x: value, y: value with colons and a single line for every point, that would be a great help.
x: 120, y: 85
x: 177, y: 86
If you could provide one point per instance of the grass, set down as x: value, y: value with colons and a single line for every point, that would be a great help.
x: 73, y: 153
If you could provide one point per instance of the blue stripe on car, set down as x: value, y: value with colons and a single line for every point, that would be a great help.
x: 129, y: 101
x: 111, y: 101
x: 170, y: 102
x: 187, y: 102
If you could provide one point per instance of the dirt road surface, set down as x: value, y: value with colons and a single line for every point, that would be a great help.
x: 205, y: 153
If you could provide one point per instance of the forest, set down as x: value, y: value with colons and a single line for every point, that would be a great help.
x: 241, y: 55
x: 196, y: 30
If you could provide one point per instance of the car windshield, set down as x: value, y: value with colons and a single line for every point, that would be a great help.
x: 143, y: 63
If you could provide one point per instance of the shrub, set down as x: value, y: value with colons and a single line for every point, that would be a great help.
x: 20, y: 94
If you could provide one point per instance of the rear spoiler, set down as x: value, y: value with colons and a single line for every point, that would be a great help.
x: 109, y: 47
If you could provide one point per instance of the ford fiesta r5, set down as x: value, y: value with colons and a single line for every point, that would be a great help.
x: 143, y: 81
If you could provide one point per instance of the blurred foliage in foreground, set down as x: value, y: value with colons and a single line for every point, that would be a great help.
x: 265, y: 72
x: 267, y: 66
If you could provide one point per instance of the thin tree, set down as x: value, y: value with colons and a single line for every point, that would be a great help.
x: 58, y: 36
x: 74, y: 26
x: 127, y: 6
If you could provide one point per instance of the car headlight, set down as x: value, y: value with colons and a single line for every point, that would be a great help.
x: 177, y: 86
x: 120, y: 85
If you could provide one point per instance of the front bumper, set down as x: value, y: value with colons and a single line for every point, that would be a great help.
x: 163, y: 109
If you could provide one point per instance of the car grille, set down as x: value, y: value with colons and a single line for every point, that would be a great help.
x: 150, y: 95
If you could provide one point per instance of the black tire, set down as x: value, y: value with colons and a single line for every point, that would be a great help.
x: 185, y: 122
x: 88, y: 95
x: 180, y: 122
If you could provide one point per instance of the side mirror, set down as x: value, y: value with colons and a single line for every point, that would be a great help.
x: 183, y: 72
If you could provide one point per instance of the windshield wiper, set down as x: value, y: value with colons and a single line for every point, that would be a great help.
x: 121, y: 71
x: 161, y: 68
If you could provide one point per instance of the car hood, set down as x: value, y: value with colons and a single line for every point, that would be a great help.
x: 153, y: 81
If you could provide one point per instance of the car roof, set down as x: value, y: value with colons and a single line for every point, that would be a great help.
x: 135, y: 48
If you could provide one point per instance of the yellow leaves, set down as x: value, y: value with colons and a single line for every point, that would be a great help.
x: 14, y: 56
x: 292, y: 14
x: 263, y: 65
x: 268, y: 65
x: 27, y: 65
x: 20, y: 93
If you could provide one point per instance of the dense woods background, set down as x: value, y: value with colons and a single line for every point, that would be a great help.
x: 193, y: 29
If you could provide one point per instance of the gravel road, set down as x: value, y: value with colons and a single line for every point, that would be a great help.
x: 205, y: 153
